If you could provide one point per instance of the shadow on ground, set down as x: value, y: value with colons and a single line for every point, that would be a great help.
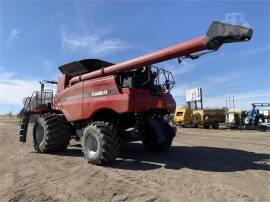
x: 133, y: 156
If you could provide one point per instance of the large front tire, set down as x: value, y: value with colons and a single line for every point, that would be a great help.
x: 100, y: 143
x: 51, y: 133
x: 151, y: 141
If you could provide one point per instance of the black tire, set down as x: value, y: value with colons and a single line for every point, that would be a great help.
x: 56, y: 133
x: 100, y: 143
x: 206, y: 126
x: 215, y: 126
x: 262, y: 128
x: 150, y: 142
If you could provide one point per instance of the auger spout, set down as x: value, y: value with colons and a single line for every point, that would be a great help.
x: 217, y: 34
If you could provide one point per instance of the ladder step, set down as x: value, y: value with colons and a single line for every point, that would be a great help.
x: 22, y: 138
x: 24, y: 127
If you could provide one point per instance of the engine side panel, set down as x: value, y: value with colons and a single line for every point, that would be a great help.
x: 144, y: 101
x: 103, y: 93
x: 84, y: 99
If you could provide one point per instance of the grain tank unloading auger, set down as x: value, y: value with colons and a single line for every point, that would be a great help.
x: 103, y: 104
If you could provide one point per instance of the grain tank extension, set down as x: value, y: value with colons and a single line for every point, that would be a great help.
x: 103, y: 104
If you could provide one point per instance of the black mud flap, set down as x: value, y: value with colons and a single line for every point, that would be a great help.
x: 164, y: 132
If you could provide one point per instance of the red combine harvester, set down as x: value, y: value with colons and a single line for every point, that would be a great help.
x: 103, y: 104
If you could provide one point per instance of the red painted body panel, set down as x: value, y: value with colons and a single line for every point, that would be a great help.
x: 115, y: 100
x: 69, y: 101
x: 62, y: 82
x: 80, y: 101
x: 144, y: 101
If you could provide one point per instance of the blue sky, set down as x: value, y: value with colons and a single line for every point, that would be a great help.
x: 37, y: 37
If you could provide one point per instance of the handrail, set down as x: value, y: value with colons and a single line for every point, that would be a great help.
x: 25, y: 108
x: 35, y: 95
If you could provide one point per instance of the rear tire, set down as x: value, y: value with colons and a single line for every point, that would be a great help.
x: 100, y: 143
x: 206, y: 126
x: 51, y: 133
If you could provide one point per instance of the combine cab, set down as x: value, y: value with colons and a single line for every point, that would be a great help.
x: 104, y: 104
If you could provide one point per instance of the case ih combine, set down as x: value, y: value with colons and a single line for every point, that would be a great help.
x: 103, y: 104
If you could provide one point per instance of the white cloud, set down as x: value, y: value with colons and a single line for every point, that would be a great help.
x: 14, y: 89
x: 211, y: 84
x: 242, y: 100
x: 14, y: 34
x: 92, y: 44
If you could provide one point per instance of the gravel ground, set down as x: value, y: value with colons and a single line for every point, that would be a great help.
x: 202, y: 165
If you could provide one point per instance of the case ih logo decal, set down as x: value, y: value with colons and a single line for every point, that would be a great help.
x: 101, y: 93
x: 91, y: 94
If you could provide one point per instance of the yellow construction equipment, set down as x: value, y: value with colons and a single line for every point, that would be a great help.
x: 186, y: 117
x: 183, y: 117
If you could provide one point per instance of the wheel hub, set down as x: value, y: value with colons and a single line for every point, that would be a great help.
x: 39, y: 134
x: 92, y: 144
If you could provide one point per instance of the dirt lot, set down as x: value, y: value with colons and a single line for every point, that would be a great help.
x: 202, y: 165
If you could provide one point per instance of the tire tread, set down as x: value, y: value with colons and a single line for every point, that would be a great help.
x: 58, y: 133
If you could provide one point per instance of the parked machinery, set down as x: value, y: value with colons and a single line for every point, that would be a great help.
x: 105, y: 104
x: 183, y: 117
x: 234, y: 117
x: 209, y: 117
x: 253, y: 119
x: 205, y: 118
